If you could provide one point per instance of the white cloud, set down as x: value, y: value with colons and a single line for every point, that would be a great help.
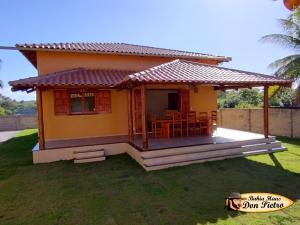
x: 18, y: 95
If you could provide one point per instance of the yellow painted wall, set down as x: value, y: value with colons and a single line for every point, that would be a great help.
x: 205, y: 100
x: 48, y: 62
x: 79, y: 126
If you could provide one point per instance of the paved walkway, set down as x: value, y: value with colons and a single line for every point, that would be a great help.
x: 6, y: 135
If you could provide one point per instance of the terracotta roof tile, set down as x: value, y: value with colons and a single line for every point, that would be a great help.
x: 177, y: 71
x: 192, y: 72
x: 73, y: 77
x: 119, y: 48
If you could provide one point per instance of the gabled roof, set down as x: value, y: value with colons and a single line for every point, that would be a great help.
x: 113, y: 48
x: 183, y: 71
x: 79, y: 77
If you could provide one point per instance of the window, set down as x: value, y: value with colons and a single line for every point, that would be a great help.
x: 173, y: 101
x: 82, y: 102
x: 89, y: 102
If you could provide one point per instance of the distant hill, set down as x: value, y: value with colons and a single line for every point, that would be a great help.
x: 9, y: 106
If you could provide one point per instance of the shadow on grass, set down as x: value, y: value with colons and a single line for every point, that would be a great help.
x: 275, y: 161
x: 119, y: 191
x: 16, y: 152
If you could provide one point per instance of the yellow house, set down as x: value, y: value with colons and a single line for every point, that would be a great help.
x: 99, y: 99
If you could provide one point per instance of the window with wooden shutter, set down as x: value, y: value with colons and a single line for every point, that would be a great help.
x: 82, y: 102
x: 103, y: 101
x: 61, y: 102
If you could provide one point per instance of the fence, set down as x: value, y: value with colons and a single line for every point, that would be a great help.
x: 282, y: 122
x: 8, y: 123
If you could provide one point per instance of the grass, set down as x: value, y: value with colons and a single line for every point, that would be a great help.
x: 119, y: 191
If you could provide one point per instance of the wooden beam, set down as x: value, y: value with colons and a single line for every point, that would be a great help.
x: 130, y: 117
x: 39, y: 106
x: 144, y: 118
x: 223, y: 88
x: 266, y: 111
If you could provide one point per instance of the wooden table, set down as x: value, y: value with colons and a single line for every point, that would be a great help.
x: 166, y: 123
x: 165, y: 126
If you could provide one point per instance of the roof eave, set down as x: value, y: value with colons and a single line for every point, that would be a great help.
x: 287, y: 83
x: 71, y: 86
x: 30, y: 56
x: 220, y: 59
x: 218, y: 85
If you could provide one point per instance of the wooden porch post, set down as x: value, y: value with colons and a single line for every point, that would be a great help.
x: 39, y: 106
x: 130, y: 119
x: 144, y: 118
x: 266, y: 111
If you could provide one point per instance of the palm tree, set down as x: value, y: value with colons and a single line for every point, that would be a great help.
x: 289, y: 66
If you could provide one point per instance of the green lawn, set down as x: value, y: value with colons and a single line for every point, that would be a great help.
x: 119, y: 191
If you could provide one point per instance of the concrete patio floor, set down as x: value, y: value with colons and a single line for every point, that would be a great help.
x: 222, y: 135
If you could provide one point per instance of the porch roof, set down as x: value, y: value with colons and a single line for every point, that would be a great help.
x: 177, y: 71
x: 79, y: 77
x: 183, y: 71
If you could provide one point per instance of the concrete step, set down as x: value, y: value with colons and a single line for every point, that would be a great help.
x: 88, y: 160
x: 183, y: 163
x: 203, y: 148
x: 197, y: 155
x: 87, y: 150
x: 264, y: 151
x: 89, y: 154
x: 275, y: 144
x: 190, y: 157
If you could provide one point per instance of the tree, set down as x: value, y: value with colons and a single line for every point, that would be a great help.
x: 244, y: 98
x: 1, y: 83
x: 289, y: 66
x: 253, y: 98
x: 2, y: 111
x: 13, y: 107
x: 285, y: 97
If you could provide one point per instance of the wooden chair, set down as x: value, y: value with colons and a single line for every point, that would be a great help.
x: 156, y: 126
x: 191, y: 123
x: 214, y: 121
x: 169, y: 114
x: 177, y: 123
x: 203, y: 123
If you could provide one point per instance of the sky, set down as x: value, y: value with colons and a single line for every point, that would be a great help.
x: 222, y: 27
